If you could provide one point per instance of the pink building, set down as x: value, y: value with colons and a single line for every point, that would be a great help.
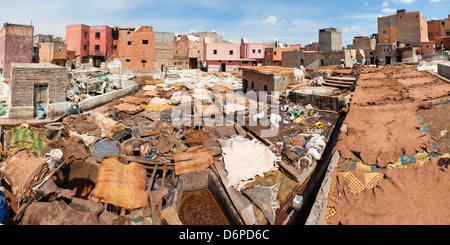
x: 91, y: 43
x: 16, y: 46
x: 221, y: 56
x: 252, y: 54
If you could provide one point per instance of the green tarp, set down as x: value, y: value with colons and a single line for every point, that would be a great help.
x: 33, y: 140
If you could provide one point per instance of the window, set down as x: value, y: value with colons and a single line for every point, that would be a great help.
x: 198, y: 51
x: 97, y: 47
x: 265, y: 87
x: 176, y: 51
x: 130, y: 42
x: 146, y: 28
x: 97, y: 35
x: 115, y: 47
x: 143, y: 61
x: 231, y: 52
x: 443, y: 23
x: 215, y: 51
x: 259, y: 51
x: 86, y: 34
x: 229, y: 61
x: 244, y: 62
x: 253, y: 85
x: 384, y: 32
x: 85, y: 47
x: 260, y: 61
x: 275, y: 53
x: 254, y: 51
x: 144, y: 41
x: 127, y: 60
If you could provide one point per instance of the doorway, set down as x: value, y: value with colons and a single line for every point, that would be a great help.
x: 193, y: 64
x: 372, y: 60
x: 388, y: 60
x: 40, y: 97
x: 244, y: 86
x: 223, y: 67
x: 399, y: 58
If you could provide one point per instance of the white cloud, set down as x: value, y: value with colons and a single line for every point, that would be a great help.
x: 435, y: 1
x: 270, y: 20
x: 385, y: 4
x: 388, y: 10
x: 366, y: 3
x: 403, y: 1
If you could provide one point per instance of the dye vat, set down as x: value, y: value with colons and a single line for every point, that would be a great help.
x: 200, y: 199
x: 201, y: 208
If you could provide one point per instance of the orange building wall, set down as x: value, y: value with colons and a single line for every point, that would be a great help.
x: 133, y: 54
x: 55, y: 53
x: 407, y: 27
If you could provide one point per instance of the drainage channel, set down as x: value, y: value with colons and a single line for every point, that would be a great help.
x: 312, y: 187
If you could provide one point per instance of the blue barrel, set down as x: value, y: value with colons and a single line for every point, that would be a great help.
x: 4, y: 215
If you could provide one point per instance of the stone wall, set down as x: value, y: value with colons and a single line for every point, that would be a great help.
x: 444, y: 70
x: 23, y: 79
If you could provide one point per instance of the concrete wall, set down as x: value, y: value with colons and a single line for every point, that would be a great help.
x: 444, y: 70
x: 362, y: 42
x: 24, y: 77
x: 163, y: 49
x: 261, y: 81
x: 330, y: 39
x: 294, y: 58
x: 93, y: 102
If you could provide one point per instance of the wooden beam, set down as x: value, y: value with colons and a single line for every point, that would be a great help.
x: 319, y: 209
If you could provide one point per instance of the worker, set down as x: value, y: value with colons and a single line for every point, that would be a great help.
x: 75, y: 107
x: 377, y: 61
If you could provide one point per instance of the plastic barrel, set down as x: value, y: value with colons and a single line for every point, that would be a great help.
x: 4, y: 215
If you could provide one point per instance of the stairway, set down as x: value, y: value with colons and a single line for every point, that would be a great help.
x: 344, y: 82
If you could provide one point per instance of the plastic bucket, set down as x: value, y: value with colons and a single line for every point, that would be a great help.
x: 4, y: 215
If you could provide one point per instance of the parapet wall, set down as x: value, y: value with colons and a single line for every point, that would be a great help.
x: 444, y: 70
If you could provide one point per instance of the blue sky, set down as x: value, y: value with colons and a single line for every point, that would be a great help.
x: 287, y: 21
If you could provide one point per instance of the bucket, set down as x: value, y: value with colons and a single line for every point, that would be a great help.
x: 4, y: 215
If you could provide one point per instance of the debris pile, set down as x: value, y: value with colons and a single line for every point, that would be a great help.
x: 131, y: 160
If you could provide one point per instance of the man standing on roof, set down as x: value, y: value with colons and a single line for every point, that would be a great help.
x: 75, y: 107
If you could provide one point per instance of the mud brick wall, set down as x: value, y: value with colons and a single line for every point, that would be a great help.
x: 24, y: 78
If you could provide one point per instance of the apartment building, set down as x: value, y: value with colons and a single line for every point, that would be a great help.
x: 135, y: 48
x: 91, y: 44
x: 407, y: 27
x: 16, y: 46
